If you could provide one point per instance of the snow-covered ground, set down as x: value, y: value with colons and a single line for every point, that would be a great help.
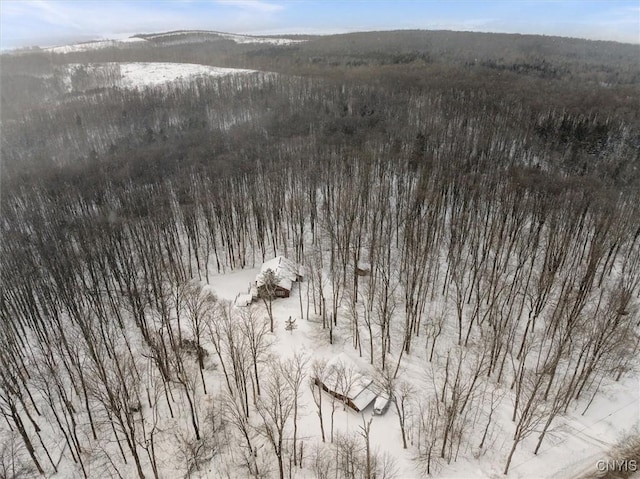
x: 125, y: 42
x: 252, y: 39
x: 141, y: 74
x: 97, y: 45
x: 573, y: 446
x: 151, y: 74
x: 228, y: 286
x: 238, y: 38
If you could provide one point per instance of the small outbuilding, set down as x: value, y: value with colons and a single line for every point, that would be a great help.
x: 243, y: 299
x: 344, y: 382
x: 363, y: 269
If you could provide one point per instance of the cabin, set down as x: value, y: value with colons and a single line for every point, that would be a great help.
x: 282, y: 288
x: 286, y: 271
x: 344, y: 382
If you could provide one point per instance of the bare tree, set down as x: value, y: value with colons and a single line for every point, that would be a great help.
x: 234, y: 413
x: 255, y: 331
x: 114, y: 383
x: 497, y: 395
x: 294, y: 373
x: 365, y: 432
x: 531, y: 414
x: 433, y: 329
x: 320, y: 373
x: 267, y: 292
x: 194, y: 453
x: 322, y: 462
x: 13, y: 463
x: 429, y: 425
x: 402, y: 397
x: 233, y: 352
x: 275, y: 407
x: 200, y: 304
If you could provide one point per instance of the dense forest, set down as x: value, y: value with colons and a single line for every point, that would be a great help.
x: 491, y: 184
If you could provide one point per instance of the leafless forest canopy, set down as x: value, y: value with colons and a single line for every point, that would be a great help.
x: 494, y: 175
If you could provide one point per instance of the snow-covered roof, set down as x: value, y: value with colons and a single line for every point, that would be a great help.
x: 284, y: 283
x: 244, y: 299
x: 283, y: 267
x: 364, y: 266
x: 285, y: 270
x: 360, y: 392
x: 365, y: 397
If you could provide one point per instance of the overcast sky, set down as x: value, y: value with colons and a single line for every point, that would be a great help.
x: 54, y: 22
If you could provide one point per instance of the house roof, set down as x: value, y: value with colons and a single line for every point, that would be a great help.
x: 284, y: 283
x: 364, y: 398
x: 283, y: 267
x: 285, y: 270
x: 360, y: 391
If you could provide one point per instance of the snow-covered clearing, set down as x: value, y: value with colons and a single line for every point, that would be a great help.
x: 144, y: 74
x: 97, y: 45
x: 227, y: 286
x: 151, y: 74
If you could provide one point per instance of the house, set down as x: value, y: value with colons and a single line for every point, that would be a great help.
x: 344, y: 382
x: 286, y: 272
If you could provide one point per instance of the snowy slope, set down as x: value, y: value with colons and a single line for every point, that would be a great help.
x: 175, y: 37
x: 142, y: 75
x: 97, y: 45
x: 171, y: 38
x: 252, y: 39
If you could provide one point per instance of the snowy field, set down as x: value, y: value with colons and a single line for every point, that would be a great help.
x: 97, y: 45
x: 152, y: 74
x: 145, y: 74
